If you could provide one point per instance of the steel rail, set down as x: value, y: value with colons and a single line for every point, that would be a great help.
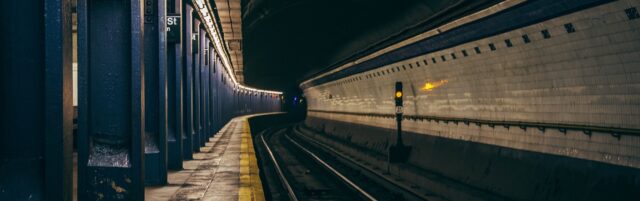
x: 391, y: 183
x: 346, y: 180
x: 283, y: 179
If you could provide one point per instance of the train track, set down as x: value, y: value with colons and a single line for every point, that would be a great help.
x: 306, y: 170
x: 301, y: 174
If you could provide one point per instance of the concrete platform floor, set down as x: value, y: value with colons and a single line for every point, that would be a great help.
x: 224, y: 169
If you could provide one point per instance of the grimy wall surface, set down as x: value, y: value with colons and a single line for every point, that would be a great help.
x: 567, y: 84
x: 580, y: 68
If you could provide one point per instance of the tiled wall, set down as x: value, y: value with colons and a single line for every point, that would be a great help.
x: 581, y: 69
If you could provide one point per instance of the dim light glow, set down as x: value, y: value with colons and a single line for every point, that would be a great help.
x: 430, y: 86
x: 203, y: 9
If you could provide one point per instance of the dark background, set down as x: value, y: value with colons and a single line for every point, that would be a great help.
x: 288, y: 41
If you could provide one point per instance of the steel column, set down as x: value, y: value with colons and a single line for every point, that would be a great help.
x: 230, y: 101
x: 190, y: 38
x: 216, y: 93
x: 224, y: 109
x: 206, y: 92
x: 208, y: 111
x: 155, y: 81
x: 212, y: 90
x: 204, y: 87
x: 110, y: 100
x: 37, y: 109
x: 231, y: 105
x: 197, y: 126
x: 201, y: 82
x: 174, y: 96
x: 219, y: 86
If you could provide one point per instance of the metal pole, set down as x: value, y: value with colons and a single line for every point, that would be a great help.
x: 36, y: 160
x: 399, y: 123
x: 155, y: 79
x: 110, y: 100
x: 188, y: 132
x: 196, y: 85
x: 175, y: 129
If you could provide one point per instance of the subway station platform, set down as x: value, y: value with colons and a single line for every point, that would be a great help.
x: 224, y: 169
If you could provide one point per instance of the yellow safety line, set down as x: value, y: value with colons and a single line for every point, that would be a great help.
x: 250, y: 184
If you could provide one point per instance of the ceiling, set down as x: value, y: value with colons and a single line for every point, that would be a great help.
x: 285, y: 42
x: 230, y: 19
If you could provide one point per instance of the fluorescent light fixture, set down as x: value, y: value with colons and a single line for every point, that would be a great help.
x: 203, y: 9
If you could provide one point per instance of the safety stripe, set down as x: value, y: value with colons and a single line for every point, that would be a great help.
x: 250, y: 183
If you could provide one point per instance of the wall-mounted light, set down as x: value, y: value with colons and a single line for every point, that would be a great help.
x: 203, y: 10
x: 429, y: 86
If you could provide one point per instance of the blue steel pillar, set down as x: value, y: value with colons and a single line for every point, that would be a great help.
x: 257, y: 102
x: 236, y: 99
x: 174, y: 96
x: 219, y: 70
x: 223, y: 98
x: 209, y: 91
x: 201, y: 82
x: 249, y: 102
x: 232, y: 99
x: 205, y: 92
x: 230, y: 105
x: 226, y: 99
x: 212, y: 66
x: 197, y: 126
x: 209, y: 95
x: 215, y: 93
x: 36, y: 161
x: 252, y: 105
x: 242, y: 100
x: 155, y: 80
x: 232, y: 102
x: 110, y: 100
x: 239, y: 103
x: 188, y: 47
x: 203, y: 88
x: 216, y: 77
x: 263, y: 103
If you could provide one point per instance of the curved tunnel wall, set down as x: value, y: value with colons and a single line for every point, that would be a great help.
x: 578, y: 70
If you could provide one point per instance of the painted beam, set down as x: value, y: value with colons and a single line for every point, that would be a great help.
x: 37, y: 107
x: 155, y: 80
x: 187, y: 112
x: 174, y: 88
x: 110, y: 100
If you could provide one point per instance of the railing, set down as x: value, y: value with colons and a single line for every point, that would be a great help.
x: 563, y: 128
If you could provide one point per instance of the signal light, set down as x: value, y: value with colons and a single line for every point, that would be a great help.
x: 399, y: 94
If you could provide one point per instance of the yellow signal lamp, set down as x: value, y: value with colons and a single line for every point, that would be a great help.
x: 398, y: 94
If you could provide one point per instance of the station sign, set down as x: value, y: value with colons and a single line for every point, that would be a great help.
x: 174, y: 30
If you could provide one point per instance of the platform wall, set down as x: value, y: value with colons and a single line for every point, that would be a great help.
x: 586, y: 73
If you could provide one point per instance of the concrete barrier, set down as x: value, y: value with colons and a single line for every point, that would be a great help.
x: 509, y: 173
